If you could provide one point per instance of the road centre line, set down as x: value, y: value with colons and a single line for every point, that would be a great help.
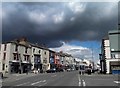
x: 84, y: 84
x: 22, y: 84
x: 38, y: 82
x: 117, y: 82
x: 79, y: 83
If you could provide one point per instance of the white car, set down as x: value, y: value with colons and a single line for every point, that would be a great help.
x: 68, y: 69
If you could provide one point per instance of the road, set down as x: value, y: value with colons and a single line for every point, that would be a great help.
x: 65, y: 79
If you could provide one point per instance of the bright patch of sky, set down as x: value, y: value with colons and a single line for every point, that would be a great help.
x: 81, y: 50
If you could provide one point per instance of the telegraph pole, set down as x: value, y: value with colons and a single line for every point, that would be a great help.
x: 92, y: 57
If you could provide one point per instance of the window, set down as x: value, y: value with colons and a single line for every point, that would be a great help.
x: 3, y: 67
x: 5, y: 46
x: 16, y: 48
x: 33, y: 50
x: 26, y: 49
x: 15, y: 56
x: 39, y: 51
x: 113, y: 56
x: 26, y: 57
x: 45, y: 53
x: 45, y: 60
x: 4, y: 56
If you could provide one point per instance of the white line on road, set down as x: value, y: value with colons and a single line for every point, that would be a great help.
x: 22, y: 84
x: 84, y: 84
x: 117, y: 82
x: 38, y: 82
x: 79, y: 83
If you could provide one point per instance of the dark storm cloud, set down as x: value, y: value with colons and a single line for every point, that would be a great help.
x: 51, y: 23
x: 119, y: 12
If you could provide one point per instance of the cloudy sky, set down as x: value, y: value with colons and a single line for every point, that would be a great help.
x: 73, y: 27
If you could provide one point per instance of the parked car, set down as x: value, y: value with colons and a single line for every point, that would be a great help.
x: 68, y: 69
x: 1, y: 75
x: 53, y: 70
x: 89, y: 71
x: 60, y: 70
x: 73, y: 69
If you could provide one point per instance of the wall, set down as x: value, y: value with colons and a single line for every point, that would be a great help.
x: 45, y: 58
x: 107, y: 49
x: 36, y: 52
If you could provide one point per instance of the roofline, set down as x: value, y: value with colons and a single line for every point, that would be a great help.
x: 13, y: 42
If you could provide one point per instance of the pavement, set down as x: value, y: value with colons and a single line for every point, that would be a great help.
x: 72, y: 78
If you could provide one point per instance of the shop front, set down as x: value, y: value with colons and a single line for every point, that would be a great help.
x: 113, y: 66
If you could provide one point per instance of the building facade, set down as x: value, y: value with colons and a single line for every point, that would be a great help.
x: 110, y: 53
x: 113, y: 64
x: 36, y: 57
x: 21, y: 56
x: 15, y: 57
x: 52, y: 59
x: 105, y: 54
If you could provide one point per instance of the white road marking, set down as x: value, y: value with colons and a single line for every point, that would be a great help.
x: 79, y: 83
x: 84, y: 84
x: 38, y: 82
x: 117, y: 82
x: 22, y: 84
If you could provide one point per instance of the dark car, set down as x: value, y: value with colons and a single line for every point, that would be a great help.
x: 60, y: 70
x: 53, y: 70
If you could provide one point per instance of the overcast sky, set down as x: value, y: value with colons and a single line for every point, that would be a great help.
x: 60, y: 25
